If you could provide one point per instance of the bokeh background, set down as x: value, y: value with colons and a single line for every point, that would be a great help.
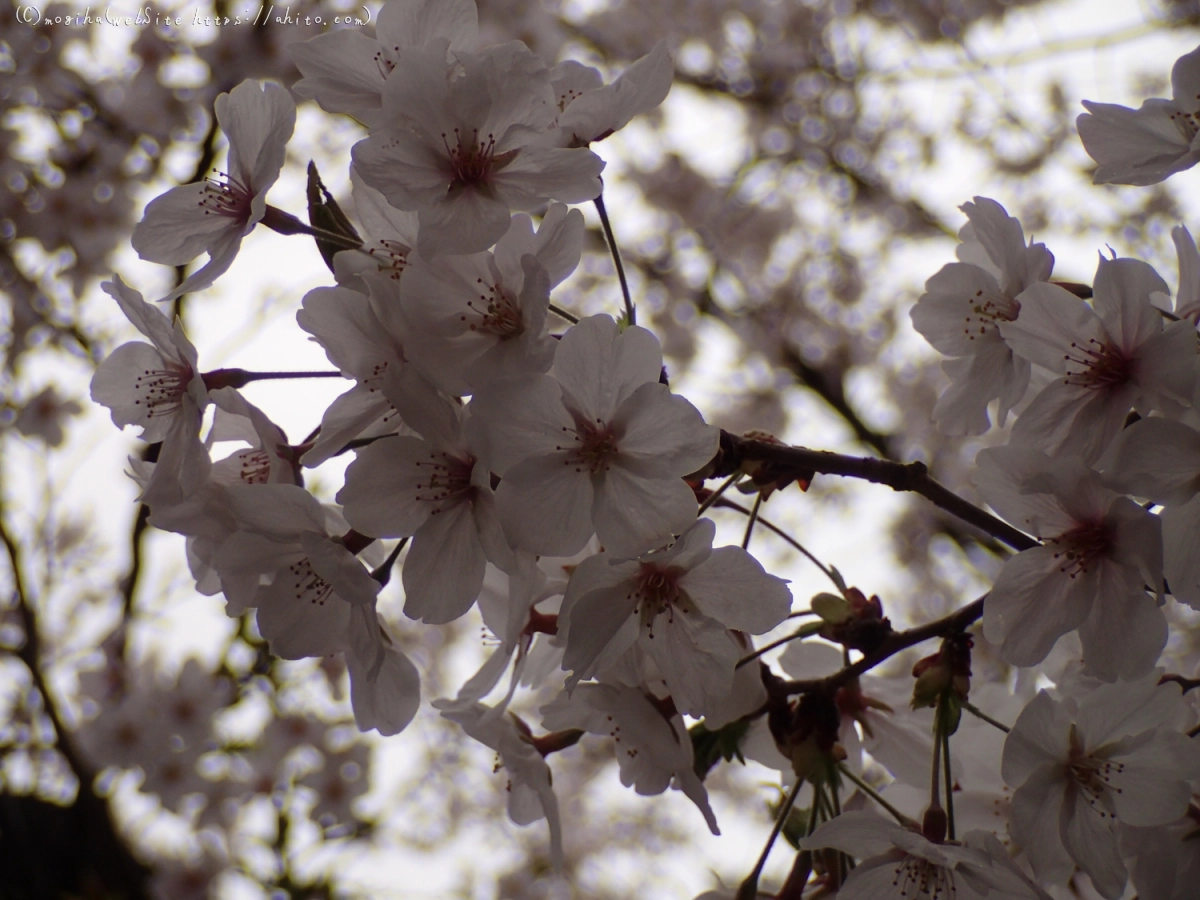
x: 778, y: 216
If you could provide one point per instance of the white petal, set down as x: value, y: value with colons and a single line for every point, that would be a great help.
x: 443, y: 571
x: 732, y: 587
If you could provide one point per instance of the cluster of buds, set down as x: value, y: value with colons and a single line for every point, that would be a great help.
x: 852, y: 619
x: 944, y: 678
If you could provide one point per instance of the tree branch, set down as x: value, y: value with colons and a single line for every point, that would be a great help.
x: 957, y: 621
x: 912, y: 477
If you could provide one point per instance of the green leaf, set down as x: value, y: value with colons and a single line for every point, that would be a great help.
x: 710, y: 747
x: 324, y: 213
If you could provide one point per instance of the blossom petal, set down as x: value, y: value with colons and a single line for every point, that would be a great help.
x: 443, y: 571
x: 732, y: 587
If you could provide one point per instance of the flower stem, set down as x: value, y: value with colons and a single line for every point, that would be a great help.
x: 949, y: 783
x: 980, y: 714
x: 236, y: 378
x: 563, y: 314
x: 716, y: 495
x: 630, y: 313
x: 753, y: 519
x: 874, y: 795
x: 749, y: 888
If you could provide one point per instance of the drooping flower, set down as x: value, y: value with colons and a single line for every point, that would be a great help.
x: 213, y: 216
x: 459, y: 147
x: 158, y: 387
x: 1149, y: 144
x: 962, y: 310
x: 1079, y: 768
x: 597, y: 445
x: 654, y: 751
x: 530, y: 795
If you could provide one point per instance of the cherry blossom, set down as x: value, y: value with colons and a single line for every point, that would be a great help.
x: 1159, y: 459
x: 654, y: 751
x: 900, y: 863
x: 1149, y: 144
x: 598, y: 445
x: 158, y: 387
x: 344, y: 70
x: 436, y: 489
x: 1100, y: 551
x: 214, y: 216
x: 1112, y: 357
x: 366, y: 338
x: 1081, y: 766
x: 592, y: 110
x: 483, y: 317
x: 530, y: 796
x: 962, y: 310
x: 677, y: 605
x: 457, y: 148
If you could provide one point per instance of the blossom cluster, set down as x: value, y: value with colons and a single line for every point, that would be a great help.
x: 511, y: 457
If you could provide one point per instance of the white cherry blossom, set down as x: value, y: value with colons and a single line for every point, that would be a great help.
x: 592, y: 110
x: 530, y: 795
x: 214, y: 216
x: 1149, y: 144
x: 896, y: 862
x: 1079, y: 767
x: 1100, y: 554
x: 654, y: 751
x: 458, y: 147
x: 962, y: 310
x: 677, y: 605
x: 1112, y: 357
x: 597, y: 445
x: 437, y: 489
x: 158, y: 387
x: 344, y: 70
x: 482, y: 317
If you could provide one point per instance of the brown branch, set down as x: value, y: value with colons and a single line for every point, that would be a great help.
x: 912, y: 477
x: 957, y: 621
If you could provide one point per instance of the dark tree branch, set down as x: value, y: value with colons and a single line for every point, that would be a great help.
x: 912, y: 477
x: 957, y: 621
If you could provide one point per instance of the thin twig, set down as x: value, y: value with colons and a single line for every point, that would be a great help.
x: 716, y: 495
x: 775, y: 529
x: 630, y: 314
x: 771, y: 646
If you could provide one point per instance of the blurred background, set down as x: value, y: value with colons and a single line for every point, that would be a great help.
x: 778, y: 215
